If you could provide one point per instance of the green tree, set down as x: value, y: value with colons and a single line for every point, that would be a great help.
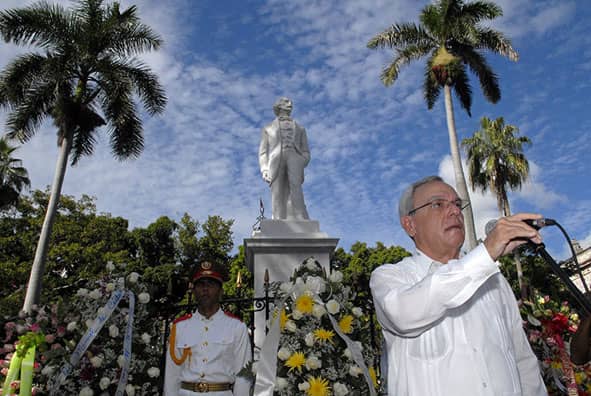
x: 451, y: 36
x: 13, y: 176
x: 496, y: 161
x: 86, y: 77
x: 82, y: 243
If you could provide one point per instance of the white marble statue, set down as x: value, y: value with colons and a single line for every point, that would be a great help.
x: 283, y: 155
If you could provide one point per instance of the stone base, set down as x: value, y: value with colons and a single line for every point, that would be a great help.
x: 279, y: 247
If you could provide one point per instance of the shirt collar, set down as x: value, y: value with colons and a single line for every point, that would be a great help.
x: 212, y: 317
x: 425, y: 264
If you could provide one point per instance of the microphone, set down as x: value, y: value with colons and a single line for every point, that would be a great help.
x: 535, y: 223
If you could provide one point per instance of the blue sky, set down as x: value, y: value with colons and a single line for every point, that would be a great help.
x: 224, y: 63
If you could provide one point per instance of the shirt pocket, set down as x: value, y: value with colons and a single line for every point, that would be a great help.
x: 433, y: 344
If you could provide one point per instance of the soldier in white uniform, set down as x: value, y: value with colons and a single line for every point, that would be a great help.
x: 208, y: 348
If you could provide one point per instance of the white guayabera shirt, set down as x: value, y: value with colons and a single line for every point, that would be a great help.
x: 453, y: 329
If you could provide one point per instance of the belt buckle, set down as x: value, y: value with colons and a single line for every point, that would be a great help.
x: 202, y: 387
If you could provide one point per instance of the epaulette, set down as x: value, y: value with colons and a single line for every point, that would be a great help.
x: 230, y: 314
x: 181, y: 318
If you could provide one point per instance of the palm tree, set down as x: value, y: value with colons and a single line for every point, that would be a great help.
x: 13, y: 177
x: 496, y: 162
x: 450, y: 35
x: 86, y: 77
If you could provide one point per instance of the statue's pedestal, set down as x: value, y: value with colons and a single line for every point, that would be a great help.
x: 279, y: 247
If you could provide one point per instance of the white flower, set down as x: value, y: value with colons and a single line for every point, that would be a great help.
x: 120, y: 283
x: 316, y: 284
x: 143, y: 298
x: 104, y: 383
x: 96, y: 361
x: 146, y: 338
x: 130, y: 390
x: 110, y: 287
x: 281, y: 383
x: 304, y: 386
x: 82, y: 292
x: 340, y: 389
x: 336, y: 276
x: 95, y: 294
x: 286, y: 287
x: 318, y: 311
x: 347, y: 353
x: 311, y: 263
x: 312, y: 363
x: 121, y: 360
x: 86, y: 391
x: 291, y: 326
x: 355, y: 371
x: 48, y: 370
x: 110, y: 266
x: 113, y: 331
x: 89, y: 323
x: 20, y: 329
x: 283, y: 353
x: 358, y: 312
x: 309, y: 339
x: 296, y: 315
x: 133, y: 277
x: 153, y: 372
x: 333, y: 306
x: 359, y: 345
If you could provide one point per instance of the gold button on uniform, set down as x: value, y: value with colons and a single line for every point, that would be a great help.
x: 205, y: 343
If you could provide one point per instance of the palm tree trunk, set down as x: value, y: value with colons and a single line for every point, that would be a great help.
x: 34, y: 286
x: 461, y: 185
x: 517, y: 256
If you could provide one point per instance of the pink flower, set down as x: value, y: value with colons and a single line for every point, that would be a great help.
x: 49, y: 338
x: 8, y: 347
x: 4, y: 371
x: 61, y: 331
x: 56, y: 346
x: 34, y: 327
x: 10, y: 326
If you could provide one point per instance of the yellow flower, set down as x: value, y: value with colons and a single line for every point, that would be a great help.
x: 318, y: 387
x: 296, y: 361
x: 373, y: 376
x: 541, y: 300
x: 324, y: 335
x: 555, y: 364
x: 346, y: 324
x: 579, y: 378
x: 283, y: 319
x: 304, y: 303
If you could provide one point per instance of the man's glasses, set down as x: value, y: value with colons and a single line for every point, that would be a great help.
x: 441, y: 204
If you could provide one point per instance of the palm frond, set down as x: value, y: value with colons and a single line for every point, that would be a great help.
x: 400, y: 35
x: 475, y: 11
x: 489, y: 81
x: 405, y: 56
x: 461, y: 87
x: 496, y: 41
x: 43, y: 24
x: 23, y: 121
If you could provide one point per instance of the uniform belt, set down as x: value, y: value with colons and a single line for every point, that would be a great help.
x: 203, y: 387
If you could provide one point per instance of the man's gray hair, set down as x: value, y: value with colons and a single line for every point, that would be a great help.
x: 405, y: 203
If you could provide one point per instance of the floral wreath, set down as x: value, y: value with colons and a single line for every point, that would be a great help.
x: 322, y: 343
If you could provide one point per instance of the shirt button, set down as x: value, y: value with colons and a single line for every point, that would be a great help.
x: 206, y: 328
x: 202, y: 375
x: 205, y: 360
x: 484, y: 384
x: 205, y: 343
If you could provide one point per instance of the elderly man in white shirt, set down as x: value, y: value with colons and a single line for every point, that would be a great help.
x: 452, y: 325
